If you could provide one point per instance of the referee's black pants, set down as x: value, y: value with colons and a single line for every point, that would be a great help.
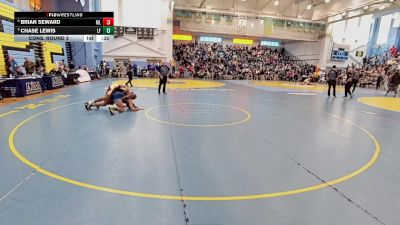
x: 332, y: 83
x: 163, y: 82
x: 129, y: 81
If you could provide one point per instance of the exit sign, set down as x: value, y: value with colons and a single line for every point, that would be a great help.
x: 359, y: 53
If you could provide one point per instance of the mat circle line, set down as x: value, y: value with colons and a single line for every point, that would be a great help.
x: 22, y: 158
x: 149, y: 116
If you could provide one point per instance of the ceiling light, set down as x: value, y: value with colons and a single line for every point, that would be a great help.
x: 261, y: 21
x: 327, y: 1
x: 366, y: 7
x: 309, y: 6
x: 276, y: 3
x: 382, y: 7
x: 244, y: 0
x: 344, y: 13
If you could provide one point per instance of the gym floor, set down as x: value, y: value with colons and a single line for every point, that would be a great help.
x: 207, y: 153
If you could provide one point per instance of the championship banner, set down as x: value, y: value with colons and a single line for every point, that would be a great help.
x: 268, y: 27
x: 242, y: 24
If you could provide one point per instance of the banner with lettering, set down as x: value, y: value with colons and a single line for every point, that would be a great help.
x: 268, y: 26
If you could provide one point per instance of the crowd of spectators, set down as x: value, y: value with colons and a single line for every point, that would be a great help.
x: 29, y: 68
x: 234, y: 62
x: 215, y: 61
x: 374, y: 72
x: 36, y: 68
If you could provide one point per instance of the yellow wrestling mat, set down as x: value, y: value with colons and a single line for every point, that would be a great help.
x: 173, y: 83
x: 388, y: 103
x: 292, y: 85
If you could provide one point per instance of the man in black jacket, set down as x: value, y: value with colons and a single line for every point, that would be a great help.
x: 394, y: 82
x: 332, y: 77
x: 129, y: 74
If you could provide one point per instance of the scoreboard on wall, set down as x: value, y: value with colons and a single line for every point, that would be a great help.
x: 340, y: 52
x: 63, y: 26
x: 141, y: 32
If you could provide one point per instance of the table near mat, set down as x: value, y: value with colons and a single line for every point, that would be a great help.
x: 20, y: 87
x: 53, y: 82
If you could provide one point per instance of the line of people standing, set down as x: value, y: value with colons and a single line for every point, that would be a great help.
x: 352, y: 79
x: 162, y: 70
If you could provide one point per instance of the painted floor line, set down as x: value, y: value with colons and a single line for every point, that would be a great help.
x: 301, y: 93
x: 366, y: 112
x: 23, y: 159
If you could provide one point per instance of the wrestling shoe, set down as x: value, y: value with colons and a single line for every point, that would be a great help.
x: 88, y: 106
x: 113, y: 110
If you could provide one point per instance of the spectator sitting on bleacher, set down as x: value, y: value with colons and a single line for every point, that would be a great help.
x: 19, y: 73
x: 29, y: 66
x: 39, y: 67
x: 11, y: 66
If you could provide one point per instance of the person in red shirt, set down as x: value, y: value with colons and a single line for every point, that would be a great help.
x: 181, y: 70
x: 393, y: 51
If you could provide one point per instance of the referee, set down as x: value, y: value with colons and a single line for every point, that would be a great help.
x: 163, y: 74
x: 129, y: 73
x: 332, y: 77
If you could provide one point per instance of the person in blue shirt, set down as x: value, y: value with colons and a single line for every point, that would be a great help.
x: 11, y: 66
x: 149, y: 67
x: 158, y: 67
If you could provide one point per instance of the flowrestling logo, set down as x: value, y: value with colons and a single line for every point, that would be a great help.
x: 57, y: 81
x: 33, y: 87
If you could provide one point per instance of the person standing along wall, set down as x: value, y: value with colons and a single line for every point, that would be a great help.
x: 394, y: 81
x: 379, y: 81
x: 347, y: 84
x: 332, y: 77
x: 135, y: 70
x: 356, y: 76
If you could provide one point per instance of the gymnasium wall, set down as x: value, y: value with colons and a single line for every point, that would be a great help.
x: 354, y: 33
x: 226, y: 39
x: 309, y: 51
x: 65, y: 5
x: 253, y: 28
x: 83, y: 53
x: 53, y: 52
x: 129, y: 47
x: 385, y: 32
